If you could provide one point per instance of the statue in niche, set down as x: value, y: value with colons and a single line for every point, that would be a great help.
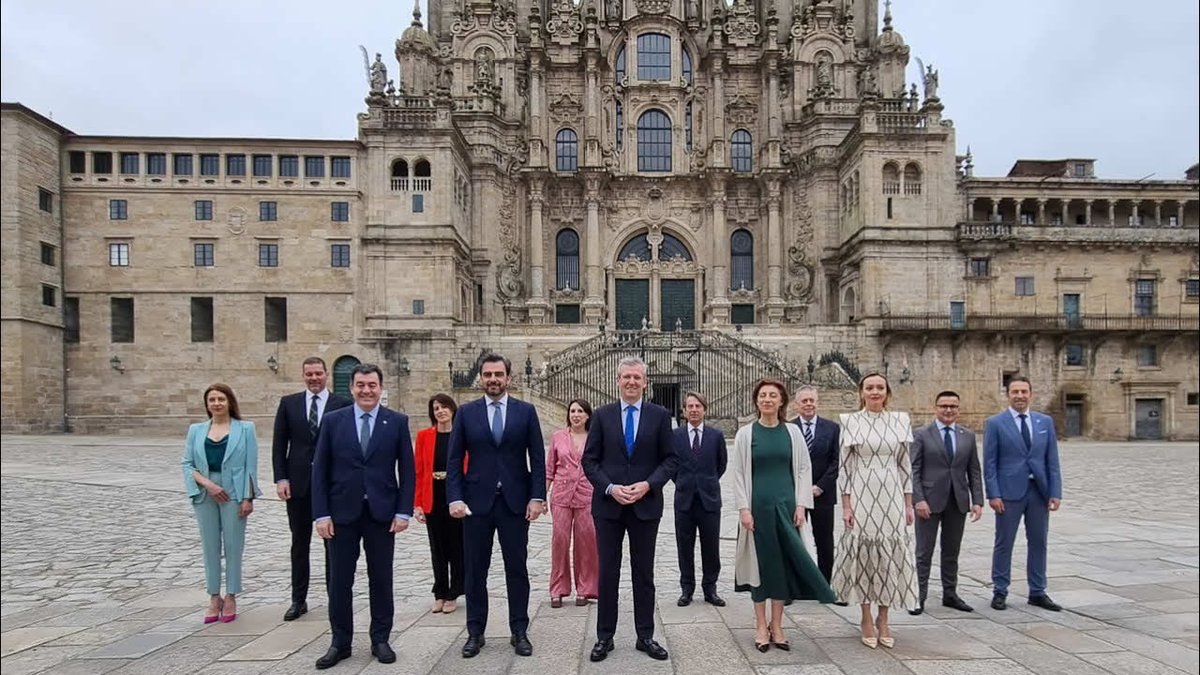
x: 379, y: 77
x: 824, y: 72
x: 692, y: 10
x: 612, y: 10
x: 443, y: 79
x: 484, y: 68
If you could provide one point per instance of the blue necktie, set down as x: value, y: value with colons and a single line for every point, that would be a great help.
x: 497, y: 423
x: 364, y: 432
x: 629, y: 431
x: 1025, y: 432
x: 948, y: 439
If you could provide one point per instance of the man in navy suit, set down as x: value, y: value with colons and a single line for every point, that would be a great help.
x: 822, y: 437
x: 1023, y: 480
x: 362, y: 492
x: 501, y: 492
x: 628, y: 457
x: 702, y: 460
x: 296, y: 424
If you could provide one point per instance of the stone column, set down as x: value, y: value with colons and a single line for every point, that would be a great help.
x: 1087, y: 211
x: 593, y: 302
x: 1134, y: 217
x: 1066, y: 212
x: 1179, y: 217
x: 537, y: 95
x: 1112, y: 213
x: 775, y: 248
x: 1158, y: 213
x: 717, y: 156
x: 591, y: 103
x: 537, y: 304
x: 1041, y: 212
x: 995, y: 208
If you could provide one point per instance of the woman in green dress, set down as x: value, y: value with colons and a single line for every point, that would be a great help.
x: 772, y: 488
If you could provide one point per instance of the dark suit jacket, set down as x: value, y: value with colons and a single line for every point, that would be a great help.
x: 343, y: 476
x: 702, y: 476
x: 605, y: 462
x: 1007, y: 465
x: 933, y: 473
x: 825, y: 456
x: 518, y: 462
x: 292, y: 444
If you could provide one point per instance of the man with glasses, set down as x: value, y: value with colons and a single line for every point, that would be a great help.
x: 946, y: 485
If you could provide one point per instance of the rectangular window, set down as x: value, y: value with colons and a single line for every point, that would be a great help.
x: 121, y: 310
x: 339, y: 212
x: 1027, y: 218
x: 156, y: 163
x: 1191, y: 289
x: 129, y: 163
x: 1024, y: 286
x: 741, y: 314
x: 1172, y: 221
x: 45, y: 200
x: 979, y: 267
x: 71, y: 320
x: 118, y: 255
x: 210, y: 165
x: 78, y: 161
x: 275, y: 320
x: 418, y: 307
x: 102, y: 162
x: 314, y: 167
x: 235, y: 165
x: 47, y: 254
x: 268, y: 255
x: 204, y: 209
x: 49, y: 296
x: 418, y: 203
x: 289, y: 166
x: 1147, y: 356
x: 262, y: 166
x: 203, y: 254
x: 339, y: 255
x: 889, y: 208
x: 1143, y: 297
x: 566, y: 314
x: 202, y: 319
x: 267, y: 211
x: 1075, y: 354
x: 958, y: 315
x: 1080, y: 170
x: 654, y: 57
x: 340, y: 167
x: 1193, y: 398
x: 118, y: 209
x: 183, y: 165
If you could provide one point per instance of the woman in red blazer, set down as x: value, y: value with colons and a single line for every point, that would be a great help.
x: 429, y: 504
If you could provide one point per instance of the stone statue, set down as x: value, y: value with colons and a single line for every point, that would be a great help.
x: 824, y: 73
x: 379, y: 77
x: 645, y: 323
x: 612, y: 10
x: 692, y: 10
x: 443, y: 79
x: 484, y: 71
x: 931, y: 83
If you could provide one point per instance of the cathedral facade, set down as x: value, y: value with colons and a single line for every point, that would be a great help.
x: 734, y: 189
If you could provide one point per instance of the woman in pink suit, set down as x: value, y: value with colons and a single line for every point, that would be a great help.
x: 570, y: 496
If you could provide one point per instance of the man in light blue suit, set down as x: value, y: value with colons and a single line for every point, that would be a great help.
x: 1023, y: 480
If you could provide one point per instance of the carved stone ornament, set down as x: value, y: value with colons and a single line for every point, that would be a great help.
x: 824, y: 18
x: 564, y: 25
x: 509, y: 284
x: 237, y: 220
x: 741, y: 28
x: 565, y: 108
x: 652, y: 6
x: 741, y: 111
x: 655, y: 208
x: 800, y: 267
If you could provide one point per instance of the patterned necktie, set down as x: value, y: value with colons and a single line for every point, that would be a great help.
x: 312, y: 417
x: 497, y: 422
x: 364, y: 432
x: 1025, y: 432
x: 696, y: 444
x: 948, y: 441
x: 629, y: 435
x: 808, y: 433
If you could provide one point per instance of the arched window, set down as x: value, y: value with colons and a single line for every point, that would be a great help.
x: 566, y: 150
x: 400, y: 175
x: 687, y: 65
x: 566, y: 252
x: 422, y: 180
x: 687, y: 127
x: 654, y: 141
x: 891, y: 179
x: 741, y: 151
x: 741, y: 260
x: 637, y: 248
x: 912, y: 179
x: 341, y: 374
x: 673, y: 249
x: 620, y: 67
x: 653, y: 57
x: 620, y: 124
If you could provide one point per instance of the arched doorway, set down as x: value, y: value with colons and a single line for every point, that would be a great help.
x: 655, y: 283
x: 341, y: 374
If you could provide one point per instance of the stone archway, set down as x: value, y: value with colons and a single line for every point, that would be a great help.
x: 655, y: 283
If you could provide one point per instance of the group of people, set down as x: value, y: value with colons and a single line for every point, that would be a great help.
x: 480, y: 472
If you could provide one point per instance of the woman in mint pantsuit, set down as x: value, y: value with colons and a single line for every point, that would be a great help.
x: 772, y: 488
x: 220, y: 474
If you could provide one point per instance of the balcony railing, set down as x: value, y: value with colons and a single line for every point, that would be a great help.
x: 1063, y: 323
x: 980, y: 230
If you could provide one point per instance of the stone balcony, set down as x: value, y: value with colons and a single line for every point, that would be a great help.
x: 1045, y: 324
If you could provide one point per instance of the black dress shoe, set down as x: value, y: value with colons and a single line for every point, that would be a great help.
x: 601, y: 649
x: 332, y: 657
x: 652, y: 648
x: 383, y: 652
x: 714, y: 599
x: 998, y: 602
x: 473, y: 645
x: 1044, y: 602
x: 919, y: 610
x: 521, y: 644
x: 955, y: 602
x: 684, y: 600
x: 297, y: 610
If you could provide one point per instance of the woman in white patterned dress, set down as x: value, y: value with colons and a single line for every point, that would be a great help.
x: 875, y: 564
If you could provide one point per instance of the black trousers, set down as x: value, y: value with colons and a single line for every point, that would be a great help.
x: 610, y: 538
x: 379, y: 545
x: 479, y: 532
x: 300, y: 522
x: 951, y: 521
x: 708, y: 523
x: 822, y: 528
x: 445, y: 546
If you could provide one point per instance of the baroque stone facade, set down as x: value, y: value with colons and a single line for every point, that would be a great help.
x: 540, y: 172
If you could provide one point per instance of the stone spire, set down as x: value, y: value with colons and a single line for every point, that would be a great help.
x: 416, y: 53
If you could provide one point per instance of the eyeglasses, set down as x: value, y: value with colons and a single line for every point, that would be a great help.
x: 948, y: 407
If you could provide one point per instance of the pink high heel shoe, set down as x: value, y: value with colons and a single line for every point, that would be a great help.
x: 215, y: 617
x: 227, y: 618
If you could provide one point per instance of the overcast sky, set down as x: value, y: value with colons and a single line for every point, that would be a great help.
x: 1108, y: 79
